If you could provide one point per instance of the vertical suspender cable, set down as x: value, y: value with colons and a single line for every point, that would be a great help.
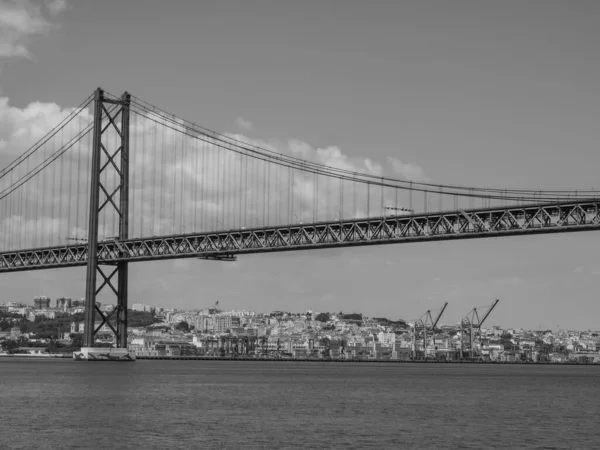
x: 103, y: 174
x: 279, y: 182
x: 116, y: 181
x: 226, y: 182
x: 132, y: 171
x: 154, y: 164
x: 3, y: 221
x: 53, y: 197
x: 381, y: 187
x: 290, y: 199
x: 268, y: 189
x: 195, y: 186
x: 62, y: 234
x: 9, y: 216
x: 173, y: 165
x: 245, y: 190
x: 369, y: 199
x: 222, y: 187
x: 341, y: 214
x: 293, y: 186
x: 315, y: 198
x: 87, y: 187
x: 70, y: 157
x: 78, y: 185
x: 182, y: 169
x: 163, y: 176
x: 264, y: 177
x: 143, y: 185
x: 354, y: 212
x: 43, y: 207
x: 202, y: 179
x: 26, y: 218
x: 240, y: 192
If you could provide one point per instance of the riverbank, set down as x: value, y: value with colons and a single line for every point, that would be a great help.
x: 346, y: 361
x: 36, y: 355
x: 379, y: 361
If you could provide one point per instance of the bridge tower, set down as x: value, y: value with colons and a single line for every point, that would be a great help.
x: 109, y: 194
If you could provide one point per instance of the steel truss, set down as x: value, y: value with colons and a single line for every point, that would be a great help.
x: 106, y: 196
x: 490, y: 222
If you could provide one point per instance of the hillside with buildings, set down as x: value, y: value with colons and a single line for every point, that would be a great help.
x: 156, y: 331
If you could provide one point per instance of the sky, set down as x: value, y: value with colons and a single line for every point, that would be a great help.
x: 499, y: 94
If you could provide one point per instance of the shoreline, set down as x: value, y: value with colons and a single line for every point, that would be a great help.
x: 344, y: 361
x: 378, y: 361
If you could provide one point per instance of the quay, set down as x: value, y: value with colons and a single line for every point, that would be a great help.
x: 378, y: 361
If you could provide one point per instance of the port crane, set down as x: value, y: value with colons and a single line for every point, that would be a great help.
x: 470, y: 326
x: 421, y: 328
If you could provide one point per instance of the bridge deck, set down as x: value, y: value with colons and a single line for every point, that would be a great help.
x: 580, y: 215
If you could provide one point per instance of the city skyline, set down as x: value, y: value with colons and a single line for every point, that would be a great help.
x: 519, y: 98
x: 78, y: 304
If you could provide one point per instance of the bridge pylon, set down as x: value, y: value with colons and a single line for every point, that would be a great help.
x: 109, y: 201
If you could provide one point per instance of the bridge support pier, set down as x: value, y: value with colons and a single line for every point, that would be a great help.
x: 109, y: 201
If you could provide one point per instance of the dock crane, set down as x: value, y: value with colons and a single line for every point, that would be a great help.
x: 421, y: 328
x: 471, y: 325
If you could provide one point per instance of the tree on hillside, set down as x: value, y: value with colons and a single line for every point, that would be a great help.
x: 76, y: 340
x: 141, y: 318
x: 353, y: 316
x: 9, y: 345
x: 183, y: 326
x: 323, y: 317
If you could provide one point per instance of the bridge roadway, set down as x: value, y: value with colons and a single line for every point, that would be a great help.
x: 579, y: 215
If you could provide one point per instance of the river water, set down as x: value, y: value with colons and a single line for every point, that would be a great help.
x: 276, y: 405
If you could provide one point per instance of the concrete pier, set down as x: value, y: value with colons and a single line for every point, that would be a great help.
x: 104, y: 354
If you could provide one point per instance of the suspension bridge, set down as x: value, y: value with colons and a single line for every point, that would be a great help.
x: 119, y: 180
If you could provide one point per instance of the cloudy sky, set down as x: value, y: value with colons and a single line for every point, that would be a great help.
x: 500, y: 94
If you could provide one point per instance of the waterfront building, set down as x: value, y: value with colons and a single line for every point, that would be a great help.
x: 223, y: 323
x: 77, y: 327
x: 142, y: 307
x: 15, y: 305
x: 52, y: 313
x: 64, y: 302
x: 15, y: 332
x: 386, y: 338
x: 41, y: 302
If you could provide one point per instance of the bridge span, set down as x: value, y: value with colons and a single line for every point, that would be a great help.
x: 224, y: 245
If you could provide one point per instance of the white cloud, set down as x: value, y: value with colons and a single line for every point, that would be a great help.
x: 56, y: 6
x: 21, y: 19
x: 244, y: 124
x: 410, y: 171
